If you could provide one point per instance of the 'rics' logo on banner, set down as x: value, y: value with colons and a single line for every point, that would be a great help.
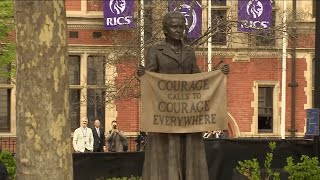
x: 255, y: 8
x: 117, y: 6
x: 185, y: 10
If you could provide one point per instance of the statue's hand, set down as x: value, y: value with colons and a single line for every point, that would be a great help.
x: 141, y: 70
x: 225, y: 69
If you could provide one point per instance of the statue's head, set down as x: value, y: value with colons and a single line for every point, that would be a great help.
x: 167, y: 20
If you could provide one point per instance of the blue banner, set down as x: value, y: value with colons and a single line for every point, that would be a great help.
x: 254, y: 15
x: 195, y: 17
x: 312, y: 122
x: 118, y: 14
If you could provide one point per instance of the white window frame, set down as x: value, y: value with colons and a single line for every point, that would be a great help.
x: 276, y: 109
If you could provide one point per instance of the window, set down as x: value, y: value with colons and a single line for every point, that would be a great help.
x: 74, y: 100
x: 96, y: 105
x: 265, y: 109
x: 74, y: 70
x: 75, y: 90
x: 97, y: 35
x: 73, y: 34
x: 5, y: 99
x: 5, y: 109
x: 219, y: 22
x: 219, y: 25
x: 96, y: 89
x: 96, y: 72
x: 218, y: 2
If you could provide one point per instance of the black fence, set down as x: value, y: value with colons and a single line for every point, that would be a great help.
x: 223, y: 155
x: 222, y: 158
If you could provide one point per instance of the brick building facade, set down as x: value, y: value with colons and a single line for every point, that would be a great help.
x: 253, y: 85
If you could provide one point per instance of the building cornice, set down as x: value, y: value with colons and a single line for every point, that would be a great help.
x: 79, y: 48
x: 227, y: 53
x: 252, y: 53
x: 85, y: 26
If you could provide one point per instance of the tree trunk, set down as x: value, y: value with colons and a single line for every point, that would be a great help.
x: 43, y: 130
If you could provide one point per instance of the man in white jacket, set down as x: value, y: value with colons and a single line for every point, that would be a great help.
x: 83, y: 138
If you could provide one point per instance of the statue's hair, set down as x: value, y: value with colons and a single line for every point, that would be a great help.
x: 170, y: 15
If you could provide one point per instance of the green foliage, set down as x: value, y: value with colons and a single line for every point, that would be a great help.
x: 307, y: 169
x: 9, y: 162
x: 7, y: 49
x: 268, y: 160
x: 126, y: 178
x: 251, y: 168
x: 6, y: 18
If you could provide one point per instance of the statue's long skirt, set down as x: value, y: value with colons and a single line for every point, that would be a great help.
x: 175, y: 157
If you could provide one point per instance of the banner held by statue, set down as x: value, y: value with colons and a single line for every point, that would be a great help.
x: 183, y: 103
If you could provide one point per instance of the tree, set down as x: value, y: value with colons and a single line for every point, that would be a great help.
x: 43, y: 130
x: 7, y: 47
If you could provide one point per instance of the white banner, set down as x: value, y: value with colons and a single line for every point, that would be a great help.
x: 183, y: 103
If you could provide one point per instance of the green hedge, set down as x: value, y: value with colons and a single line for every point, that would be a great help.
x: 9, y: 162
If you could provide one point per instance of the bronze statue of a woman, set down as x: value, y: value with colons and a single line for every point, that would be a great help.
x: 172, y: 156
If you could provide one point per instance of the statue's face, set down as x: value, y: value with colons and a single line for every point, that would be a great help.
x: 175, y: 28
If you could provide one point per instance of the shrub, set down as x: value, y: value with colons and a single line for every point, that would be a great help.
x: 251, y: 168
x: 308, y: 168
x: 9, y: 162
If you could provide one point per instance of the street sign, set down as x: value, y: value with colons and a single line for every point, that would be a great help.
x: 312, y: 123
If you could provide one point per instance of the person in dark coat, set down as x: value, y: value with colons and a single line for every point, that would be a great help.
x: 168, y: 155
x: 3, y: 172
x: 98, y: 137
x: 141, y: 141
